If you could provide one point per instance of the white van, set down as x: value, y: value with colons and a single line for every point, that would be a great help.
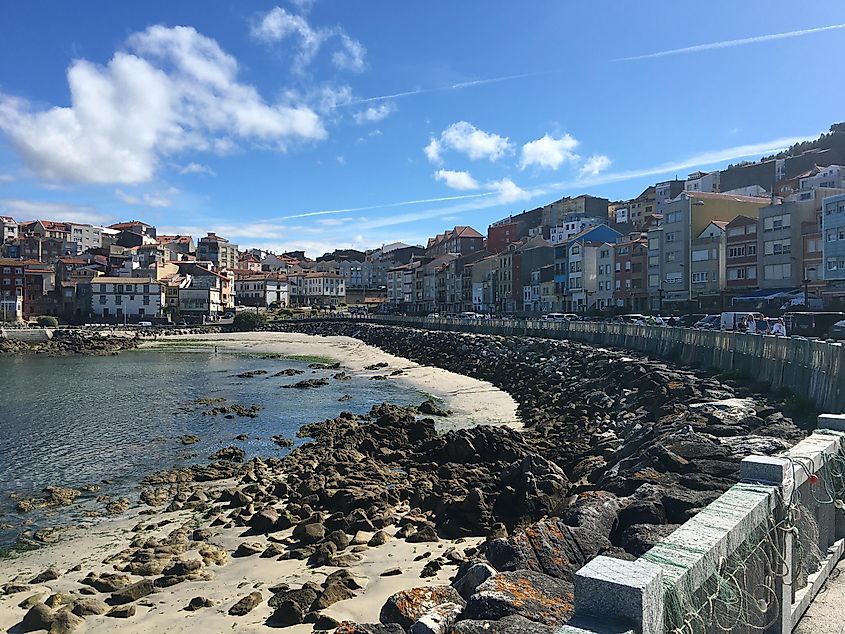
x: 560, y: 317
x: 729, y: 321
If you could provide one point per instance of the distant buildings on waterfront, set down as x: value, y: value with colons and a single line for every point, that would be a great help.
x: 770, y: 232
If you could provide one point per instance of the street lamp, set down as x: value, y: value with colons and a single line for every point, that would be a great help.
x: 806, y: 282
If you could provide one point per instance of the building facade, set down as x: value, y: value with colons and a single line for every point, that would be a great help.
x: 217, y: 250
x: 118, y: 299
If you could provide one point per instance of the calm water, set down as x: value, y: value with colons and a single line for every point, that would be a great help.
x: 71, y: 421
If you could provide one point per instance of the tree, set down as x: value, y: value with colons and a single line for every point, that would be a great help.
x: 47, y: 321
x: 247, y: 320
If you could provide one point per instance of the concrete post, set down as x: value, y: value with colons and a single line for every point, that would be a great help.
x: 608, y: 589
x: 836, y: 422
x: 776, y: 471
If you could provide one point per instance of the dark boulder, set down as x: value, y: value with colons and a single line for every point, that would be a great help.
x: 407, y: 606
x: 533, y: 595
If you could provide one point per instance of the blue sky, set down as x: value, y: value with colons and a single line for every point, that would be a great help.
x: 329, y: 124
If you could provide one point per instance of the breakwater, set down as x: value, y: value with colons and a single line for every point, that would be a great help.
x: 810, y: 368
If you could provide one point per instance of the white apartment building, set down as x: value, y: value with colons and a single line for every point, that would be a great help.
x: 317, y: 289
x: 572, y: 225
x: 86, y: 236
x: 262, y: 290
x: 127, y: 299
x: 8, y: 228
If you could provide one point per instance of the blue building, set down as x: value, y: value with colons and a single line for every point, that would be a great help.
x: 833, y: 238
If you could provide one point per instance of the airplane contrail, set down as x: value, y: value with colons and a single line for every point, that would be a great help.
x: 732, y: 43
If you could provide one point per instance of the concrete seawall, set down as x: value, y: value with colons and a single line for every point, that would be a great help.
x: 809, y: 368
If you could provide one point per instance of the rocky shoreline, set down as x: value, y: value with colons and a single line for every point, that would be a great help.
x: 66, y: 342
x: 617, y: 451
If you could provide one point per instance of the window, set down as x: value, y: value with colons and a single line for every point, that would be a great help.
x: 751, y: 228
x: 146, y: 288
x: 654, y: 260
x: 736, y: 231
x: 751, y: 249
x: 674, y: 278
x: 700, y: 255
x: 777, y: 271
x: 674, y: 216
x: 672, y: 236
x: 751, y: 271
x: 618, y: 267
x: 671, y: 256
x: 618, y: 284
x: 102, y: 299
x: 699, y: 277
x: 146, y: 300
x: 777, y: 247
x: 628, y: 265
x: 654, y: 244
x: 653, y: 280
x: 776, y: 223
x: 628, y: 285
x: 118, y: 299
x: 736, y: 252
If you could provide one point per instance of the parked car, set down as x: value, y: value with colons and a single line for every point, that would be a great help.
x: 709, y: 322
x: 633, y: 318
x: 837, y: 330
x: 730, y: 320
x: 145, y: 323
x: 808, y: 324
x: 689, y: 321
x: 560, y: 317
x: 433, y: 316
x: 470, y: 315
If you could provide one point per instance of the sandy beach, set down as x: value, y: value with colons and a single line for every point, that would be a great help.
x: 84, y: 550
x: 471, y: 401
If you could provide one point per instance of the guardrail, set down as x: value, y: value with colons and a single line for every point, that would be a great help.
x: 752, y: 561
x: 808, y: 367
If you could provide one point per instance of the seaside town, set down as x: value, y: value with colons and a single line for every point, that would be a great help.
x: 764, y: 236
x: 411, y: 318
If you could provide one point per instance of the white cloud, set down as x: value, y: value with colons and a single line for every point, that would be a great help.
x: 549, y: 151
x: 279, y: 24
x: 351, y: 54
x: 456, y: 180
x: 432, y: 151
x: 7, y: 178
x: 732, y: 43
x: 508, y: 191
x: 157, y: 200
x: 39, y: 210
x: 374, y: 113
x: 594, y: 165
x: 340, y: 159
x: 196, y: 168
x: 173, y: 90
x: 304, y: 5
x: 466, y: 138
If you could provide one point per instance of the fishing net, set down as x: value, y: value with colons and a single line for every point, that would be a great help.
x: 743, y: 593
